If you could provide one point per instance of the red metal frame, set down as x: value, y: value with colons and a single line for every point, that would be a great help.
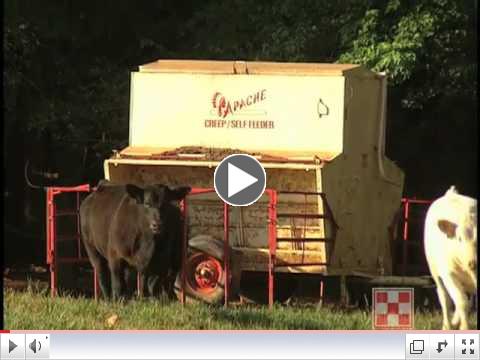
x: 273, y: 215
x: 226, y: 251
x: 407, y: 203
x: 272, y: 242
x: 52, y: 237
x: 272, y: 238
x: 52, y: 259
x: 272, y: 194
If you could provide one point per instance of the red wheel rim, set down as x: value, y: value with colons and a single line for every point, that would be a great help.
x: 204, y: 273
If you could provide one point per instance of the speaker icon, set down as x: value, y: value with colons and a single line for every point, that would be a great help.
x: 35, y: 346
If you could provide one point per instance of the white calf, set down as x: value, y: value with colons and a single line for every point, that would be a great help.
x: 451, y: 251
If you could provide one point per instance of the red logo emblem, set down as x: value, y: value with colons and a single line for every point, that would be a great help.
x: 392, y: 308
x: 224, y: 106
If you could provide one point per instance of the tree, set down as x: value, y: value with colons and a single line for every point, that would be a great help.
x: 427, y: 48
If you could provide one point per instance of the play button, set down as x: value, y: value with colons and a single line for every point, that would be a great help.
x: 11, y: 346
x: 239, y: 180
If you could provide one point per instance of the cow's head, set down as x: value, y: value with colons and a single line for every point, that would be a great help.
x: 153, y: 198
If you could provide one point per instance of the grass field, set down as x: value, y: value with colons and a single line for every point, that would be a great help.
x: 35, y: 309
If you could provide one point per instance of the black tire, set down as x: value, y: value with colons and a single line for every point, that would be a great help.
x: 204, y: 276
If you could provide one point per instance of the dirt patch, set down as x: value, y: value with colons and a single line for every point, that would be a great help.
x: 210, y: 153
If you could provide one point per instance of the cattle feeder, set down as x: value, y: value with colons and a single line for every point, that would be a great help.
x: 319, y: 132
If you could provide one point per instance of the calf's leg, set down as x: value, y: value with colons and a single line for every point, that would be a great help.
x: 130, y: 281
x: 117, y: 273
x: 154, y: 285
x: 100, y: 265
x: 460, y: 300
x: 445, y: 302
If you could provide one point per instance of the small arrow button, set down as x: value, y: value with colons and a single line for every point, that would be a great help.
x: 441, y: 345
x: 466, y: 346
x: 11, y: 346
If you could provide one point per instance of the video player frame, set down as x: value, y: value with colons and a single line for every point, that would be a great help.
x: 318, y: 225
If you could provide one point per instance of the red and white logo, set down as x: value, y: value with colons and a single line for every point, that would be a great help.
x: 392, y: 308
x: 223, y: 106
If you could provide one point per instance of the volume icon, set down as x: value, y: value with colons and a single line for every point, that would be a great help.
x: 35, y: 346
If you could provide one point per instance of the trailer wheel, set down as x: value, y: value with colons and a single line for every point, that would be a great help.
x: 204, y: 274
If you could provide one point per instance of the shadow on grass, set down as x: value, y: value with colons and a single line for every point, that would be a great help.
x: 248, y: 318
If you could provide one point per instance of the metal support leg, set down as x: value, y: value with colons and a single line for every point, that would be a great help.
x: 344, y: 296
x: 320, y: 300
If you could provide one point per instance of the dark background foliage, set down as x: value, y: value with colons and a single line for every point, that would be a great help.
x: 67, y: 64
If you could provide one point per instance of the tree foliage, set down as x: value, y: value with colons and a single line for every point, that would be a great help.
x: 427, y: 47
x: 67, y: 65
x: 74, y: 71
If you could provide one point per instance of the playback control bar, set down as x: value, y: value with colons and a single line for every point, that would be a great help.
x: 278, y: 345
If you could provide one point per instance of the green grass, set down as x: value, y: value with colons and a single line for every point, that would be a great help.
x: 35, y: 309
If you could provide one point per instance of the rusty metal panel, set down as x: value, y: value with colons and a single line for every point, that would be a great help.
x: 363, y: 201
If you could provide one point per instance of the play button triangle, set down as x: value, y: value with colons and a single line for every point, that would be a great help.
x: 11, y: 346
x: 238, y: 180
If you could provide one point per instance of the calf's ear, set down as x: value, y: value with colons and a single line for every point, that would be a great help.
x: 135, y: 192
x: 447, y: 227
x: 177, y: 193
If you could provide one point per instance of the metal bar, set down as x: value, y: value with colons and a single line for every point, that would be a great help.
x: 79, y: 245
x: 51, y: 252
x: 344, y: 295
x: 305, y: 216
x: 195, y: 191
x: 320, y: 301
x: 202, y: 157
x: 301, y: 239
x: 226, y: 252
x: 183, y: 207
x: 52, y: 237
x: 302, y: 264
x: 272, y: 243
x: 329, y: 212
x: 420, y: 281
x: 416, y: 201
x: 54, y: 245
x: 405, y: 237
x: 139, y: 285
x: 334, y: 229
x: 47, y: 226
x: 61, y: 189
x: 300, y: 193
x: 66, y: 213
x: 210, y: 164
x: 304, y: 221
x: 95, y: 284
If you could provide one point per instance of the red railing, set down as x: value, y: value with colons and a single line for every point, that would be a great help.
x: 273, y: 215
x: 53, y: 259
x: 52, y: 237
x: 407, y: 204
